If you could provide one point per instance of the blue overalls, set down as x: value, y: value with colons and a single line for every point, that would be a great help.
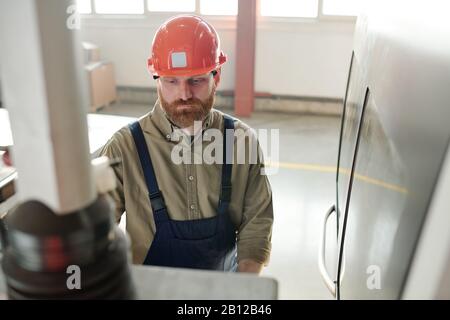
x: 200, y: 244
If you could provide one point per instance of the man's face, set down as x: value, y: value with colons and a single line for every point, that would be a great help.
x: 187, y: 99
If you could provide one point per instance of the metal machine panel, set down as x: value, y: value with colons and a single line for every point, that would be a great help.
x: 403, y: 48
x: 159, y: 283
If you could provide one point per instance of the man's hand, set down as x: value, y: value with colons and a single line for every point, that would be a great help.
x: 6, y: 158
x: 248, y: 265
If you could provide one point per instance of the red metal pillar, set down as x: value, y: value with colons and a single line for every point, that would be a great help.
x: 245, y: 58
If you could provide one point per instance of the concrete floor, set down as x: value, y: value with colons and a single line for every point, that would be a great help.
x: 303, y: 190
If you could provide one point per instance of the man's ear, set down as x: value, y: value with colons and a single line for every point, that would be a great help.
x: 217, y: 77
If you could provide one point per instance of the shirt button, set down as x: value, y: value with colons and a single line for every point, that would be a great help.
x: 192, y: 207
x: 168, y: 137
x: 191, y: 178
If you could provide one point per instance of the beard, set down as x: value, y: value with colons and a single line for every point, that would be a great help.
x: 183, y: 113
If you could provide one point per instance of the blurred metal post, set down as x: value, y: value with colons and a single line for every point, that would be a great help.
x: 44, y: 90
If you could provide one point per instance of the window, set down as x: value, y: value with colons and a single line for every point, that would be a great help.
x: 219, y: 7
x: 171, y: 5
x: 84, y: 6
x: 342, y: 7
x: 290, y: 8
x: 119, y: 6
x: 268, y: 8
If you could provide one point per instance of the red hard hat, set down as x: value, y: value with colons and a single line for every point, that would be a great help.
x: 185, y: 45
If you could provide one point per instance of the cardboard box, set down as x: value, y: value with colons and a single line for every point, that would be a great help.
x: 102, y: 84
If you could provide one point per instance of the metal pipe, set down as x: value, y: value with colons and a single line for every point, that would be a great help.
x: 44, y: 91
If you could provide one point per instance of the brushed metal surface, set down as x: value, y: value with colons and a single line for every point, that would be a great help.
x: 156, y: 283
x: 402, y: 50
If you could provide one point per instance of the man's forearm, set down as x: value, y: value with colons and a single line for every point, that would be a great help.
x: 248, y: 265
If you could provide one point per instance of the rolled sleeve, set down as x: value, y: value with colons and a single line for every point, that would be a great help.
x: 255, y: 232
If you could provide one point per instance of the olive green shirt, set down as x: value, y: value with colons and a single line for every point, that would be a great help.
x: 191, y: 191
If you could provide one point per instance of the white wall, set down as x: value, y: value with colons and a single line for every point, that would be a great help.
x: 299, y: 58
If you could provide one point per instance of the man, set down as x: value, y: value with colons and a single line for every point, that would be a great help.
x: 206, y: 216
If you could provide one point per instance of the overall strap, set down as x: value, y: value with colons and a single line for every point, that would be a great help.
x: 156, y: 197
x: 225, y: 190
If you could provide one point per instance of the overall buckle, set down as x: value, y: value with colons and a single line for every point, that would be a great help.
x: 157, y: 201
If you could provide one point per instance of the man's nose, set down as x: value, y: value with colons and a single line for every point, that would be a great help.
x: 185, y: 91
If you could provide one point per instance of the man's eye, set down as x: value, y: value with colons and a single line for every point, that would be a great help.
x: 197, y: 81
